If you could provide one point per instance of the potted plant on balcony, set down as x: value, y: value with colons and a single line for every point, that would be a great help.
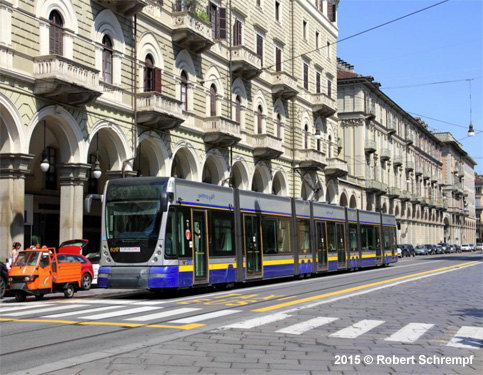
x: 194, y: 8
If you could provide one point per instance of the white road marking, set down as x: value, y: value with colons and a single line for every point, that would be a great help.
x: 164, y: 314
x: 410, y: 333
x: 357, y: 329
x: 252, y: 323
x: 202, y: 317
x: 81, y: 312
x: 119, y: 313
x: 468, y: 337
x: 299, y: 328
x: 46, y: 309
x: 24, y: 307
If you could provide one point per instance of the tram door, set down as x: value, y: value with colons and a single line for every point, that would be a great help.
x: 253, y: 245
x: 377, y: 230
x: 341, y: 253
x: 200, y: 250
x: 321, y: 246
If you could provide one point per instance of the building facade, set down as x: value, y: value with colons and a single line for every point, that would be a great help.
x: 239, y: 93
x: 396, y: 165
x: 478, y: 207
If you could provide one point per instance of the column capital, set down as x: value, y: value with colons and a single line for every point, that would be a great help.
x: 14, y: 165
x: 73, y: 173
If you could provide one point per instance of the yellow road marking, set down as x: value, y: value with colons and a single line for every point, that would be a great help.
x: 321, y: 296
x: 132, y: 325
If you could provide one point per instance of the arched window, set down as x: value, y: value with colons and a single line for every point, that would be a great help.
x: 238, y: 109
x: 184, y: 90
x: 148, y: 74
x: 279, y: 126
x: 330, y: 146
x: 213, y: 100
x: 107, y: 59
x: 56, y: 32
x: 260, y: 119
x: 306, y: 136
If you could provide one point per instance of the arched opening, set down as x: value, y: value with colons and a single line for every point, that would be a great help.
x: 260, y: 120
x: 149, y: 73
x: 306, y: 136
x: 343, y: 200
x: 183, y: 165
x: 353, y: 202
x: 238, y: 109
x: 184, y: 90
x: 213, y: 100
x: 239, y: 176
x: 211, y: 173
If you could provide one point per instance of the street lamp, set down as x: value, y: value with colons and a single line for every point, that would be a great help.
x: 97, y: 169
x: 471, y: 131
x: 44, y: 166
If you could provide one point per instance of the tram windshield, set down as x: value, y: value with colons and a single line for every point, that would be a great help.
x: 133, y: 209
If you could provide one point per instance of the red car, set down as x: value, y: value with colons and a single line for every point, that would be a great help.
x: 73, y: 254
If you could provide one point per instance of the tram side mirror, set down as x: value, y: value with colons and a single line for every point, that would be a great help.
x: 164, y: 201
x: 88, y: 201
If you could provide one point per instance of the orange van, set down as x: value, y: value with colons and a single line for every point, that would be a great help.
x: 38, y: 272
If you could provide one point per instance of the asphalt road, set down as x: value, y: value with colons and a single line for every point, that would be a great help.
x: 426, y: 312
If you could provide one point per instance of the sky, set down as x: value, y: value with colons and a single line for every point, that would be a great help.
x: 440, y: 44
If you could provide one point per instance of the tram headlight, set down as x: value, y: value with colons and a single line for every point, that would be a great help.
x: 155, y: 259
x: 106, y: 253
x: 159, y: 253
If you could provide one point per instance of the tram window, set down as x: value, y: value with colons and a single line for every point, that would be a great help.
x: 303, y: 232
x: 353, y: 236
x: 387, y: 238
x: 269, y: 230
x: 184, y: 230
x: 377, y: 237
x: 364, y: 238
x: 340, y: 236
x: 284, y: 236
x: 331, y: 237
x: 170, y: 245
x: 222, y: 242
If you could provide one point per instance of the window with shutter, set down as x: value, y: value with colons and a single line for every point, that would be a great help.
x: 149, y: 74
x: 260, y: 47
x: 107, y: 59
x: 56, y: 32
x: 306, y: 76
x: 279, y: 126
x: 213, y: 100
x: 222, y: 23
x: 184, y: 91
x: 238, y: 108
x: 157, y: 80
x: 278, y: 59
x: 260, y: 119
x: 331, y: 10
x: 237, y: 33
x: 317, y: 82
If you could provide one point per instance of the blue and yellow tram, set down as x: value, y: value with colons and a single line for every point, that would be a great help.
x: 171, y: 233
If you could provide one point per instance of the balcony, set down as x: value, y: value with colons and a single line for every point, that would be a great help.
x: 426, y: 175
x: 415, y: 198
x: 159, y: 111
x: 336, y: 168
x: 409, y: 139
x: 221, y: 132
x: 393, y: 192
x: 405, y: 196
x: 283, y: 85
x: 397, y: 161
x: 126, y: 8
x: 385, y: 154
x: 376, y: 187
x: 418, y: 173
x: 190, y: 32
x: 370, y: 146
x: 369, y: 110
x: 434, y: 178
x: 245, y: 63
x: 323, y: 105
x: 391, y: 128
x: 266, y: 146
x: 65, y: 81
x: 310, y: 158
x: 409, y: 166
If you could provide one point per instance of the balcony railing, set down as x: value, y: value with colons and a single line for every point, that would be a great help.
x: 393, y: 192
x: 283, y: 85
x: 158, y: 110
x: 221, y: 132
x: 125, y: 7
x: 336, y: 168
x: 409, y: 166
x: 266, y: 146
x: 190, y: 31
x: 323, y: 105
x: 370, y: 146
x: 385, y: 154
x: 65, y: 80
x: 310, y: 158
x: 245, y: 62
x: 397, y: 161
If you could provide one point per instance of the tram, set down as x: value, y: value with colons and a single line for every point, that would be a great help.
x: 163, y: 232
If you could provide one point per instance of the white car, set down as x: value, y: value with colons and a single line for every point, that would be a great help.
x: 479, y: 246
x: 466, y: 247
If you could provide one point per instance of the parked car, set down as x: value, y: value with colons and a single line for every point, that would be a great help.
x: 451, y: 249
x: 479, y: 246
x: 466, y: 247
x: 409, y: 249
x: 439, y: 249
x: 457, y: 249
x: 86, y: 266
x: 421, y: 250
x: 88, y: 252
x: 431, y: 249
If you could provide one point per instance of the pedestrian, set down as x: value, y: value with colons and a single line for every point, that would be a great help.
x: 12, y: 256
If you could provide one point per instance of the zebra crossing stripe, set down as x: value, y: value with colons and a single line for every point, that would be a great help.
x: 252, y: 323
x: 299, y: 328
x: 39, y: 311
x: 164, y: 314
x: 19, y: 308
x: 81, y: 312
x: 468, y: 337
x: 357, y: 329
x: 410, y: 332
x: 119, y: 313
x: 200, y: 318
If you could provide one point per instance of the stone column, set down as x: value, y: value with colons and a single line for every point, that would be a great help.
x: 72, y: 179
x: 13, y: 168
